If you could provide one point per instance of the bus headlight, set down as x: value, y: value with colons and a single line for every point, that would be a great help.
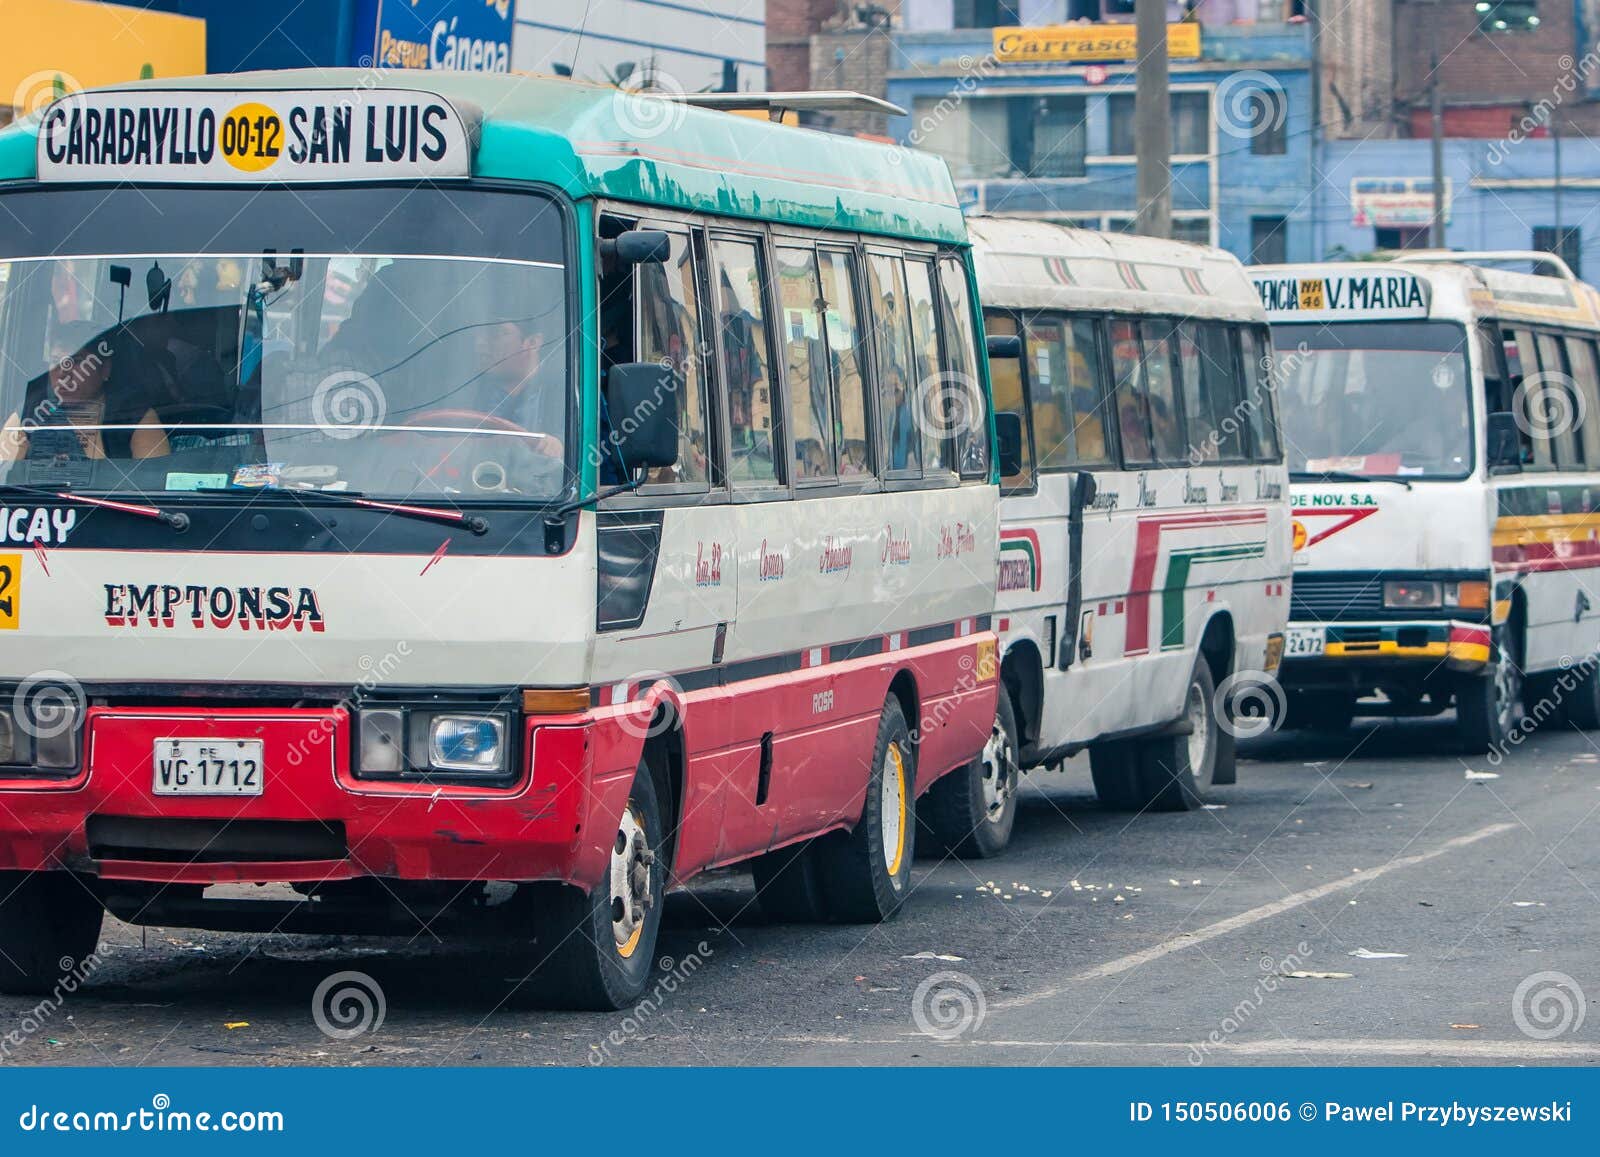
x: 39, y: 737
x: 1409, y: 594
x: 1472, y: 596
x: 466, y: 742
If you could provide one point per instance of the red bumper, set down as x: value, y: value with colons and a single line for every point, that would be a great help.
x: 533, y: 830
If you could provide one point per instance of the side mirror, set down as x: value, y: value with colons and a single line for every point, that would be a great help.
x: 641, y: 400
x: 1008, y: 439
x: 1505, y: 442
x: 639, y: 247
x: 1003, y: 345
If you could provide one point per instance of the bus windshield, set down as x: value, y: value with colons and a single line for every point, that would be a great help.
x: 407, y: 374
x: 1380, y: 399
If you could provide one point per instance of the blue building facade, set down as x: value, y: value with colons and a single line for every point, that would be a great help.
x: 1054, y: 140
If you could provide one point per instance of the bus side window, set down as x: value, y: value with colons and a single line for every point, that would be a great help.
x: 1256, y: 362
x: 842, y: 326
x: 1522, y: 361
x: 1166, y: 417
x: 1213, y: 394
x: 669, y: 333
x: 891, y: 331
x: 1586, y: 379
x: 1558, y: 403
x: 1005, y: 380
x: 1133, y: 409
x: 742, y: 339
x: 966, y: 415
x: 806, y: 364
x: 927, y: 393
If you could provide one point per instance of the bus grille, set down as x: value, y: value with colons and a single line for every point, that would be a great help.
x: 1357, y: 596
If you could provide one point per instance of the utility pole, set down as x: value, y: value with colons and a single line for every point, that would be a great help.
x: 1152, y: 120
x: 1436, y: 101
x: 1555, y: 141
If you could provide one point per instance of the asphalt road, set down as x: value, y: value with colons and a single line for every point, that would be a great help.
x: 1098, y: 939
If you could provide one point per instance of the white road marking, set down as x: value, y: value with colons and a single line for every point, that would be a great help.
x: 1255, y: 916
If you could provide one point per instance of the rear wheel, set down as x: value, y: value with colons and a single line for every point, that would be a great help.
x: 1177, y: 770
x: 789, y: 884
x: 597, y: 948
x: 971, y: 811
x: 1583, y: 702
x: 1489, y: 706
x: 49, y: 925
x: 866, y: 873
x: 1114, y: 766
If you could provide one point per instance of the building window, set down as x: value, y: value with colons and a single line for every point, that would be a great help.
x: 987, y: 137
x: 1267, y: 113
x: 1191, y: 123
x: 984, y: 14
x: 1400, y: 237
x: 1569, y: 248
x: 1269, y: 240
x: 1195, y: 229
x: 1496, y: 16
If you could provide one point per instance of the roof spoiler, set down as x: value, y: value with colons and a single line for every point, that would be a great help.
x: 1538, y: 257
x: 776, y: 104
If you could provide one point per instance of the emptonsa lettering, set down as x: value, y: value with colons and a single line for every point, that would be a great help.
x: 168, y: 606
x: 260, y: 136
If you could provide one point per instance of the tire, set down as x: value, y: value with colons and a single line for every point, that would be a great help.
x: 1489, y: 706
x: 866, y: 873
x: 789, y: 885
x: 1582, y: 703
x: 49, y: 924
x: 1176, y: 771
x: 597, y: 948
x: 1114, y: 767
x: 970, y: 812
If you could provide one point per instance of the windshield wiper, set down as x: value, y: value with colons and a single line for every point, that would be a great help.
x: 175, y: 519
x: 477, y: 524
x: 1346, y: 476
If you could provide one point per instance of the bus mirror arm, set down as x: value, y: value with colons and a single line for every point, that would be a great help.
x: 1504, y: 443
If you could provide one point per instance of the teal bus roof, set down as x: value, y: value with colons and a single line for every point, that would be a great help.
x: 594, y: 141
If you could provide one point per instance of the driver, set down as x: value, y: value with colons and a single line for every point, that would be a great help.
x: 515, y: 383
x: 77, y: 391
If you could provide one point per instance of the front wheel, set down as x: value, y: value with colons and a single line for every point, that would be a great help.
x: 1489, y: 706
x: 49, y: 925
x: 971, y: 811
x: 866, y: 873
x: 597, y: 948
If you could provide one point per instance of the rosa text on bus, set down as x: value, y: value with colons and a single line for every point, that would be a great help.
x: 484, y: 504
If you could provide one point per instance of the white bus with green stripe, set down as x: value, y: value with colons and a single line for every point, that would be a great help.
x: 1145, y: 551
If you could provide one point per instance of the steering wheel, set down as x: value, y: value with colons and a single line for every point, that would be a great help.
x: 465, y: 422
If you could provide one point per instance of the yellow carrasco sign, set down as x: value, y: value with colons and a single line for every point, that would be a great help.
x: 220, y: 136
x: 1086, y: 42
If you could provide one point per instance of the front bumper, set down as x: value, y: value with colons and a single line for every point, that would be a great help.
x: 1412, y: 647
x: 314, y: 821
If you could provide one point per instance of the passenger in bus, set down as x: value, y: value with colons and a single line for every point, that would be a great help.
x: 514, y: 383
x: 1089, y: 431
x: 1135, y: 440
x: 81, y: 391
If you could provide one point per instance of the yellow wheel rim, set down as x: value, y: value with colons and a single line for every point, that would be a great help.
x: 894, y: 808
